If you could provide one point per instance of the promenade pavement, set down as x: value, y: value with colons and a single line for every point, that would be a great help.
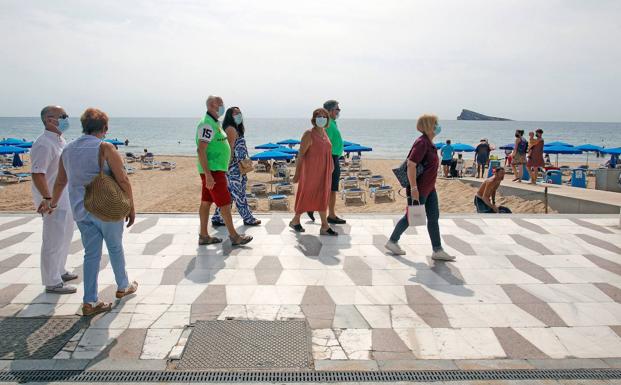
x: 526, y: 291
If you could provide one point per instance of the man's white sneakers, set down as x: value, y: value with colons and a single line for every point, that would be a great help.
x: 394, y: 248
x: 441, y: 255
x: 61, y: 288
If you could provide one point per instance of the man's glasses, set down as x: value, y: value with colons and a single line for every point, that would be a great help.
x: 63, y: 116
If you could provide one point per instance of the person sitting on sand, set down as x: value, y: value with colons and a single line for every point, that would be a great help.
x: 485, y: 199
x: 447, y: 152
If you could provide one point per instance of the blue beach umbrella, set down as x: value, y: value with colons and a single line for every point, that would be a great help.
x: 616, y: 151
x: 24, y: 144
x: 291, y: 142
x: 560, y: 150
x: 12, y: 150
x: 114, y: 141
x: 286, y: 150
x: 589, y: 148
x: 554, y: 144
x: 461, y: 147
x: 357, y: 148
x: 269, y: 155
x: 267, y: 146
x: 439, y: 145
x: 11, y: 142
x: 347, y: 144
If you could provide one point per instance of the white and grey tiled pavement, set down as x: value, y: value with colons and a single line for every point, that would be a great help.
x: 525, y: 291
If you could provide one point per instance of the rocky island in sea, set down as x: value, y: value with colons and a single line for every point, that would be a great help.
x: 471, y: 115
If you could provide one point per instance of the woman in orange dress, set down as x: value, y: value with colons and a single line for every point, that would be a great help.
x: 313, y: 173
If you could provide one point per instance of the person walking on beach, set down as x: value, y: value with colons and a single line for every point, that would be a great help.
x: 332, y: 106
x: 233, y: 124
x: 481, y: 154
x: 535, y: 156
x: 422, y: 188
x: 80, y: 162
x: 520, y: 147
x: 314, y: 173
x: 485, y: 198
x: 447, y: 152
x: 214, y: 154
x: 57, y: 227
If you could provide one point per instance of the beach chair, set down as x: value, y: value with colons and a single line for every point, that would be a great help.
x: 349, y: 182
x: 129, y: 170
x: 284, y: 188
x: 148, y: 162
x: 131, y: 158
x: 382, y: 192
x: 354, y: 168
x: 259, y: 167
x: 364, y: 173
x: 10, y: 177
x: 253, y: 201
x: 165, y: 165
x: 282, y: 173
x: 356, y: 160
x: 278, y: 201
x: 375, y: 181
x: 354, y: 194
x: 258, y: 188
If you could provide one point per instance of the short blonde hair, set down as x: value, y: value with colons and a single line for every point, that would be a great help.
x: 426, y: 123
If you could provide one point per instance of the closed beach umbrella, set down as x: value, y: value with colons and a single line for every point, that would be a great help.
x: 589, y: 148
x: 562, y: 144
x: 269, y: 155
x: 560, y: 150
x: 12, y: 150
x: 289, y: 142
x: 461, y: 147
x: 357, y: 148
x: 267, y: 146
x: 347, y: 144
x: 114, y: 141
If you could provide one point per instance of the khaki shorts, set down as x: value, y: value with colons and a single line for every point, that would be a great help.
x: 519, y: 159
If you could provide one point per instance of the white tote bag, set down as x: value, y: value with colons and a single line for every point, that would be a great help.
x: 416, y: 215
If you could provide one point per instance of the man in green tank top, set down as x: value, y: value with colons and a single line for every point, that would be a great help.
x: 214, y: 153
x: 332, y: 106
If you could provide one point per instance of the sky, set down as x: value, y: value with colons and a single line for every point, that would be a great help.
x: 557, y: 60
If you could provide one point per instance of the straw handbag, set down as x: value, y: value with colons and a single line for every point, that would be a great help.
x: 245, y: 166
x: 104, y: 198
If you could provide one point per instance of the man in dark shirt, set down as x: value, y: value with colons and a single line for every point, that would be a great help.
x: 481, y: 155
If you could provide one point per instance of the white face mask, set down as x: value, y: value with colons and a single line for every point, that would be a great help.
x: 220, y: 111
x: 320, y: 121
x: 238, y: 118
x: 63, y: 125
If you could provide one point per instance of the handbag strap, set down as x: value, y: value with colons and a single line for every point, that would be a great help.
x: 101, y: 160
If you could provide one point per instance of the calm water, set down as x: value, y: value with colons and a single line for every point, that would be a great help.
x: 390, y: 139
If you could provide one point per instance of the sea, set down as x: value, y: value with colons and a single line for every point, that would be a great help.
x: 389, y: 138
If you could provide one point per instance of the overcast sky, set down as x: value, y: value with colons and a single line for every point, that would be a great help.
x: 522, y: 59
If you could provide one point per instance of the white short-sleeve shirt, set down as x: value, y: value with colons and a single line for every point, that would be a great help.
x: 44, y: 158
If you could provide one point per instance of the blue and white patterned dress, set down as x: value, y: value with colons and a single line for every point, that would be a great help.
x: 237, y: 184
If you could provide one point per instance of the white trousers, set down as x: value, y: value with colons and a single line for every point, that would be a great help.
x: 57, y: 234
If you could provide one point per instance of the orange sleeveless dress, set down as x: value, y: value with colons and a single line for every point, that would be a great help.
x: 315, y: 178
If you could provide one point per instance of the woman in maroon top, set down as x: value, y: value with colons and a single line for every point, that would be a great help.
x: 422, y: 189
x: 535, y: 157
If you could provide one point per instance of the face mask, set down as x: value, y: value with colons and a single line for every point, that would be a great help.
x: 437, y: 129
x: 338, y: 115
x: 320, y: 121
x: 238, y: 119
x: 63, y: 125
x: 221, y: 111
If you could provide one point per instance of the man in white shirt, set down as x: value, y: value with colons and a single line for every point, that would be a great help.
x: 58, y: 226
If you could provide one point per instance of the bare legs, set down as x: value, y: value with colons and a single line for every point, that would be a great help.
x: 331, y: 206
x: 324, y: 220
x: 228, y: 221
x: 203, y: 213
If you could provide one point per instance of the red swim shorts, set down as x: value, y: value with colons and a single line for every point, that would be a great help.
x: 219, y: 194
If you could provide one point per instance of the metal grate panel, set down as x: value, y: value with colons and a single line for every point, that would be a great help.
x: 120, y: 376
x: 248, y: 345
x: 35, y: 338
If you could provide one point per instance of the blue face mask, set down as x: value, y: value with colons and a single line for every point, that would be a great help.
x: 63, y: 125
x: 221, y: 111
x: 437, y: 129
x: 320, y: 121
x: 238, y: 119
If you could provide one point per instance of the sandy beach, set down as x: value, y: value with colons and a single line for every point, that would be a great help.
x: 179, y: 191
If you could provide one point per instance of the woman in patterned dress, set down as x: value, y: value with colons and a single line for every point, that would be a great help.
x: 233, y: 124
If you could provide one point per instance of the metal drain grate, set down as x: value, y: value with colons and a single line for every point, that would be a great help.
x: 35, y: 338
x: 310, y: 376
x: 248, y: 345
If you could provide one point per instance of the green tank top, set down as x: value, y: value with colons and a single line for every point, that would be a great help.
x: 218, y: 150
x: 335, y: 138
